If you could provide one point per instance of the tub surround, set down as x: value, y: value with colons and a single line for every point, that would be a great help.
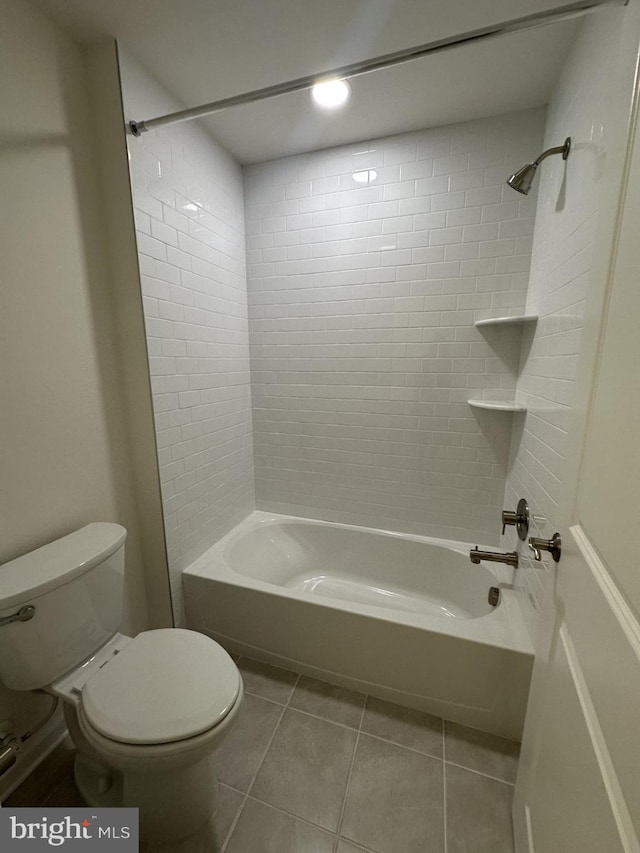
x: 367, y: 267
x: 575, y: 220
x: 189, y: 206
x: 345, y: 391
x: 450, y: 653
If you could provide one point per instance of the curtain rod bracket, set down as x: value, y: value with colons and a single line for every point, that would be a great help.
x: 137, y: 128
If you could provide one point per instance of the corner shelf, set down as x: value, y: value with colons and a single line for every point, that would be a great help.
x: 497, y: 405
x: 518, y: 321
x: 521, y: 319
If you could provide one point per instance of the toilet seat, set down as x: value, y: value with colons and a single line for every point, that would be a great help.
x: 164, y: 686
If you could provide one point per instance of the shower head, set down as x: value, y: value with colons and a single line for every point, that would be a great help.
x: 521, y: 180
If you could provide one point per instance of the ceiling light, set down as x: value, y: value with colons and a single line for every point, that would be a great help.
x: 331, y: 93
x: 367, y: 176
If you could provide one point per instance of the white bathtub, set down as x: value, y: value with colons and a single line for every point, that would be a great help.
x: 404, y: 618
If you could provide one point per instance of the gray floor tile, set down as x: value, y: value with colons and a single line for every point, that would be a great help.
x: 210, y: 838
x: 262, y: 829
x: 306, y: 769
x: 326, y: 700
x: 266, y: 681
x: 239, y: 755
x: 395, y: 800
x: 478, y: 813
x: 404, y: 726
x: 490, y: 754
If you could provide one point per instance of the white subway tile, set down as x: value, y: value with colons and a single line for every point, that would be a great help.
x: 352, y: 291
x: 448, y: 201
x: 402, y: 189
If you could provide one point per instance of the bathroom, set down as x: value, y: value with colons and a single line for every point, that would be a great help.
x: 326, y: 376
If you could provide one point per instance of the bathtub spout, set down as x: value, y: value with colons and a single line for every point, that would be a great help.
x: 510, y: 558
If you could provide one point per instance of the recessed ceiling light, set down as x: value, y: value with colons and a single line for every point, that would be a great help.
x: 331, y: 93
x: 367, y: 176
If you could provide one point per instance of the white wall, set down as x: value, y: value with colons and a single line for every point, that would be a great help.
x: 64, y: 451
x: 577, y: 205
x: 362, y: 303
x: 189, y: 207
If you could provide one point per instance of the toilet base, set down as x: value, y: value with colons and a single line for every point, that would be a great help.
x: 98, y: 785
x: 170, y: 808
x: 174, y: 786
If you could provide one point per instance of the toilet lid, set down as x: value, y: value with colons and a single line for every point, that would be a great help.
x: 165, y: 685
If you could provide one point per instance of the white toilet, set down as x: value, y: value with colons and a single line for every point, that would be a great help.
x: 146, y: 712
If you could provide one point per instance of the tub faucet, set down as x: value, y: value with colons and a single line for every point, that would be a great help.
x: 510, y: 558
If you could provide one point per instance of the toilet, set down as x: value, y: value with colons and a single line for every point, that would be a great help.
x: 144, y: 712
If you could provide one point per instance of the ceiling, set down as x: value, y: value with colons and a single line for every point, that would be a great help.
x: 202, y: 50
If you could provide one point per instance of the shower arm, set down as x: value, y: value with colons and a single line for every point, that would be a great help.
x: 559, y: 149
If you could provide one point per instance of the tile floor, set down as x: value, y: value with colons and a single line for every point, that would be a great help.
x: 313, y: 768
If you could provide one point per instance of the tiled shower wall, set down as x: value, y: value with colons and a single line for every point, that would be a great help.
x: 576, y: 213
x: 188, y: 199
x: 367, y: 266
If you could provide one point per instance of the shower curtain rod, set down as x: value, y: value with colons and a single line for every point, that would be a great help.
x: 388, y: 60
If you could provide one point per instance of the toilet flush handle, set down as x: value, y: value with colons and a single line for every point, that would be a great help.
x: 25, y: 614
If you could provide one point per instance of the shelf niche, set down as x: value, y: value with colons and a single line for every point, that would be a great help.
x: 519, y: 320
x: 497, y: 405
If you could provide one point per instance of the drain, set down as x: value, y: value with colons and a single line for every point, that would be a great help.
x: 494, y: 596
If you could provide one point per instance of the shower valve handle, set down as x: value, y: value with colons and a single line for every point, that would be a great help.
x: 508, y: 518
x: 519, y: 519
x: 553, y: 546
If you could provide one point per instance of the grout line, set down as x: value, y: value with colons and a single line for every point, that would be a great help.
x: 480, y: 773
x: 402, y: 746
x: 233, y: 788
x: 306, y: 713
x: 346, y: 789
x: 354, y: 728
x: 246, y: 794
x: 290, y: 814
x: 234, y: 823
x: 293, y: 689
x: 264, y: 699
x: 364, y: 708
x: 264, y: 755
x: 357, y: 845
x: 346, y: 794
x: 359, y: 731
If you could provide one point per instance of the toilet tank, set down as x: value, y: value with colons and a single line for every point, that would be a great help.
x: 76, y: 585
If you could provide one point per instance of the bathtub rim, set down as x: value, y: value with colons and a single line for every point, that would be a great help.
x: 503, y: 628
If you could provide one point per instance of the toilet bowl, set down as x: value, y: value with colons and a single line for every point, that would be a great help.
x: 145, y: 713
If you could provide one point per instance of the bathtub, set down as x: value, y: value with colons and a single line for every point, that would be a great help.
x: 404, y: 618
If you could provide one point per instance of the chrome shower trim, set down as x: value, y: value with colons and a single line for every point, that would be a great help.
x: 509, y: 557
x: 521, y: 180
x: 515, y: 25
x: 559, y: 149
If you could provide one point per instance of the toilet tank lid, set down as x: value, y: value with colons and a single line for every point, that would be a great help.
x: 58, y: 562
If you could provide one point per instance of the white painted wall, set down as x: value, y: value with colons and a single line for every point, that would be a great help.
x: 189, y: 207
x: 576, y: 213
x: 362, y: 302
x: 64, y: 450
